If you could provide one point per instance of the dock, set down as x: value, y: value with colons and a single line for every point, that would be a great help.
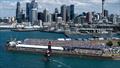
x: 94, y: 48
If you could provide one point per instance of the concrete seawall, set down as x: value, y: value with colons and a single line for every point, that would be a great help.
x: 92, y: 49
x: 61, y: 53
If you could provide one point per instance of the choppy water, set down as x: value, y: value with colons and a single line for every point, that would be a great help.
x: 25, y: 60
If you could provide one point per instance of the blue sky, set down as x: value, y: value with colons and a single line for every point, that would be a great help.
x: 7, y: 7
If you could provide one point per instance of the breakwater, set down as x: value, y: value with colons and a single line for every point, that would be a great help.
x: 95, y: 48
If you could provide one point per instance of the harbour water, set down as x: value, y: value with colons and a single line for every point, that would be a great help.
x: 28, y: 60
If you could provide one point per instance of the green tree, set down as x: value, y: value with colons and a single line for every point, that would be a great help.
x: 109, y: 43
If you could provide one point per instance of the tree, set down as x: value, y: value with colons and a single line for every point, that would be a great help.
x: 109, y: 43
x: 118, y: 43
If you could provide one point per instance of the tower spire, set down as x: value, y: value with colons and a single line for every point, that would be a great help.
x: 103, y: 1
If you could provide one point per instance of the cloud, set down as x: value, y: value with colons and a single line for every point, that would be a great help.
x: 80, y: 5
x: 7, y: 5
x: 106, y: 1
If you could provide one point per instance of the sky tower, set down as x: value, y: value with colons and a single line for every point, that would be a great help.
x: 103, y: 2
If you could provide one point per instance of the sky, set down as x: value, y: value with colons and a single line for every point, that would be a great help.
x: 7, y: 7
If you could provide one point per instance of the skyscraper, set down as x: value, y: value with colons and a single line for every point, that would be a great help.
x: 89, y: 17
x: 28, y: 12
x: 34, y: 17
x: 105, y: 13
x: 34, y: 4
x: 55, y: 15
x: 18, y: 13
x: 68, y: 13
x: 49, y: 18
x: 63, y: 12
x: 22, y: 16
x: 33, y: 11
x: 56, y: 10
x: 40, y: 16
x: 45, y: 13
x: 71, y: 12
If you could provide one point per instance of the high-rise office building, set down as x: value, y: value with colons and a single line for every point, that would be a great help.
x: 49, y: 17
x: 22, y: 15
x: 113, y: 19
x: 18, y: 13
x: 105, y: 13
x: 89, y: 17
x: 118, y: 19
x: 55, y: 15
x: 45, y: 13
x: 71, y: 12
x: 63, y: 12
x: 33, y: 12
x: 56, y: 10
x: 34, y: 4
x: 68, y: 13
x: 28, y: 12
x: 40, y: 16
x: 34, y: 17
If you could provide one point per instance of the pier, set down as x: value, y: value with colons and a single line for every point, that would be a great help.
x: 95, y: 48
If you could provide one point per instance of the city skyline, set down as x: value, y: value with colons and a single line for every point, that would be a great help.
x: 7, y: 7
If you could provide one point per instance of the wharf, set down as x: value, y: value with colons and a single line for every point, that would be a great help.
x: 93, y: 49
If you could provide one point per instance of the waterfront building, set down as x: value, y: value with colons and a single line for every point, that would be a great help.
x: 40, y: 16
x: 72, y: 12
x: 63, y: 12
x: 112, y: 19
x: 55, y: 17
x: 59, y: 19
x: 0, y: 19
x: 97, y: 16
x: 68, y: 14
x: 23, y: 18
x: 118, y: 18
x: 12, y: 19
x: 40, y: 23
x: 6, y: 20
x: 49, y: 17
x: 56, y: 10
x: 18, y: 13
x: 34, y: 16
x: 89, y: 17
x: 105, y: 13
x: 81, y: 19
x: 45, y: 13
x: 28, y: 12
x: 33, y: 12
x: 34, y: 4
x: 115, y: 19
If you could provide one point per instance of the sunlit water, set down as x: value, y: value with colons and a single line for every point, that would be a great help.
x: 29, y: 60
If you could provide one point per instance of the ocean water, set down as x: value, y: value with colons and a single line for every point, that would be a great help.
x: 29, y: 60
